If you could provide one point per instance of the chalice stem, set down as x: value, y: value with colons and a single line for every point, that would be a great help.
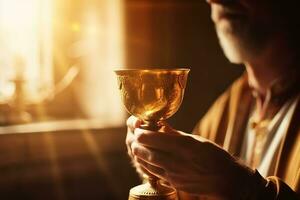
x: 151, y: 125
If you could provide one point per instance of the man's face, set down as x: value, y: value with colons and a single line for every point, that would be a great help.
x: 244, y: 27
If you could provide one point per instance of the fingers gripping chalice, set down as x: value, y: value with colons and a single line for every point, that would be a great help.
x: 152, y: 95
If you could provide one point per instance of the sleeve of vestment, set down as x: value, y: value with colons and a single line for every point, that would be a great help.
x: 270, y: 188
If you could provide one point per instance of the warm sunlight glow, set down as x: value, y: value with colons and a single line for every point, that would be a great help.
x: 25, y: 44
x: 81, y: 42
x: 101, y: 50
x: 75, y: 27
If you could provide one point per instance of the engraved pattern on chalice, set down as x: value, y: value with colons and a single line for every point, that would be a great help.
x: 153, y: 95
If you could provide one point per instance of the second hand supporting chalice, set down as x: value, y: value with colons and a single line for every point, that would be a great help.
x: 152, y: 95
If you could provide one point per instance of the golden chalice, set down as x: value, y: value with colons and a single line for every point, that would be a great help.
x: 152, y: 95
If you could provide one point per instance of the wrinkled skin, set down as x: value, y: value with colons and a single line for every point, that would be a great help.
x: 187, y: 162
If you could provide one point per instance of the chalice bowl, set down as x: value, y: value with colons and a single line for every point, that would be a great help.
x: 152, y: 95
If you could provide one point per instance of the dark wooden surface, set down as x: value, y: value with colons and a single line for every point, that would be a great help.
x: 82, y: 164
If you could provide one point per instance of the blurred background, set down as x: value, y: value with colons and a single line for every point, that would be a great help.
x: 62, y: 124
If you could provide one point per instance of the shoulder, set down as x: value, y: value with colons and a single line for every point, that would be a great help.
x: 218, y: 112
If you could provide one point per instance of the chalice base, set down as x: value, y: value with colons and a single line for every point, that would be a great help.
x: 147, y: 191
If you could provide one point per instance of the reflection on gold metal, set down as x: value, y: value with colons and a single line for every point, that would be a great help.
x: 152, y: 95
